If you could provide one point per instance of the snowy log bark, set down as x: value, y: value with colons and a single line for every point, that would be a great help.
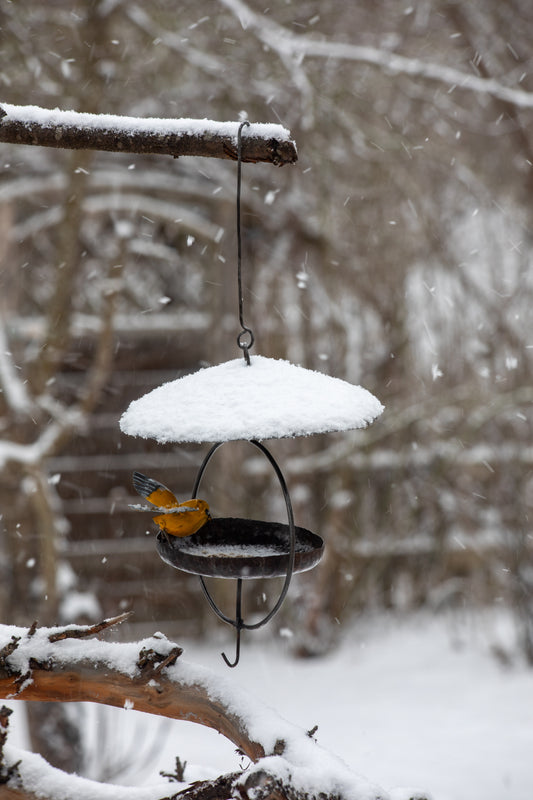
x: 176, y: 137
x: 46, y: 677
x: 59, y: 664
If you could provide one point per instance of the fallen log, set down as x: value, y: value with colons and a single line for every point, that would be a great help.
x: 67, y: 665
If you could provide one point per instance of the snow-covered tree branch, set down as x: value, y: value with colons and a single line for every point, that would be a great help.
x: 176, y: 137
x: 62, y: 665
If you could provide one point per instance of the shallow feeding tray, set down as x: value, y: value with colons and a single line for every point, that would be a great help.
x: 227, y: 547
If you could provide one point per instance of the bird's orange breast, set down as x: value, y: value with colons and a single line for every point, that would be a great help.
x: 186, y: 523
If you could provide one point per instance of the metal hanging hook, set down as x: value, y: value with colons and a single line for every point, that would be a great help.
x: 229, y: 663
x: 245, y: 339
x: 238, y: 623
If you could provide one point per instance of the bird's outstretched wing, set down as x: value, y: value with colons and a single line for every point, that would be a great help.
x: 178, y: 519
x: 153, y: 491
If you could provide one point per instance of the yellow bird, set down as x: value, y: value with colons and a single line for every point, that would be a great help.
x: 177, y: 519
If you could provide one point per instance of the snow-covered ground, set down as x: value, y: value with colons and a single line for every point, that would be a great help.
x: 421, y: 703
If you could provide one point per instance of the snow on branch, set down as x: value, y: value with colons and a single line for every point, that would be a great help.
x: 287, y: 44
x: 263, y: 142
x: 14, y: 389
x: 63, y: 664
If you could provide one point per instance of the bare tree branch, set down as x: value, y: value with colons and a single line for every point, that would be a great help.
x: 176, y: 137
x: 285, y: 44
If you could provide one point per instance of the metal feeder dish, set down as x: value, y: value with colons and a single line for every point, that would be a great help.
x: 229, y: 547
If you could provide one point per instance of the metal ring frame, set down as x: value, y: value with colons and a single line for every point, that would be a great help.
x: 238, y: 623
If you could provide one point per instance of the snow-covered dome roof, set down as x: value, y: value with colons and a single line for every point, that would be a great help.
x: 269, y: 399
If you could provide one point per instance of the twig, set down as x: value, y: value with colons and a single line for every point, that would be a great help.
x: 179, y: 771
x: 152, y: 663
x: 88, y: 630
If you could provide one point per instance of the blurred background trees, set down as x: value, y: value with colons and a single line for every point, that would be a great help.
x: 395, y: 254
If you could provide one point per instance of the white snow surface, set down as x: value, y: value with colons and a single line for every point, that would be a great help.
x: 143, y: 125
x: 268, y: 399
x: 45, y: 781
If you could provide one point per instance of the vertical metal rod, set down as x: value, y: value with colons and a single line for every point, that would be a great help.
x: 244, y: 345
x: 238, y: 625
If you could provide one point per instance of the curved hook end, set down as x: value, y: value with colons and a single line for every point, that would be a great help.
x: 237, y: 651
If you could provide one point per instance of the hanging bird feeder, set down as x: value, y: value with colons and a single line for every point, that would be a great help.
x: 252, y: 399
